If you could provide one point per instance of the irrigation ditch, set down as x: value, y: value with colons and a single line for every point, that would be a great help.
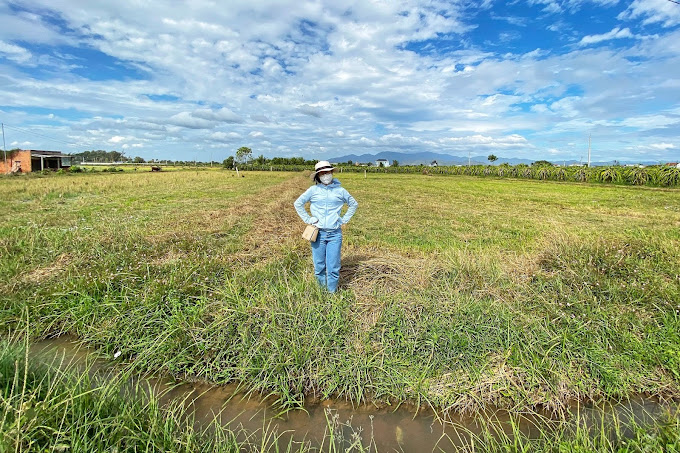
x: 339, y: 425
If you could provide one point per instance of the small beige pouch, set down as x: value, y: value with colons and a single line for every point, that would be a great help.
x: 310, y: 233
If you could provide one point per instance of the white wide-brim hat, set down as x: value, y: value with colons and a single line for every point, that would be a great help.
x: 322, y: 165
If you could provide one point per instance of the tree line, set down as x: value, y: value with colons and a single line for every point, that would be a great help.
x: 244, y: 156
x: 101, y: 155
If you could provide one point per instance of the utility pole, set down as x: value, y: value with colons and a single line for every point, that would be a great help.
x: 589, y: 135
x: 468, y: 158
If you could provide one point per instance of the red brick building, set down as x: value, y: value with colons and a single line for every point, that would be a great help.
x: 28, y: 160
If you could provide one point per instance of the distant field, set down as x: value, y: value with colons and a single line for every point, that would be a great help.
x: 457, y: 291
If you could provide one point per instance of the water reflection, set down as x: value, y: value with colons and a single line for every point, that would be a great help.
x: 257, y: 421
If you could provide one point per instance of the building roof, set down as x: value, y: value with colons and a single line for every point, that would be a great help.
x: 43, y: 153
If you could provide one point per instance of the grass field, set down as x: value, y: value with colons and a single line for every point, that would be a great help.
x: 456, y: 292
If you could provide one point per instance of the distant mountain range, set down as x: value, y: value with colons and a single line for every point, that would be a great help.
x: 426, y: 158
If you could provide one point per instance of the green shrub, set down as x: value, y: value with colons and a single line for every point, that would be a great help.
x: 668, y: 176
x: 610, y: 174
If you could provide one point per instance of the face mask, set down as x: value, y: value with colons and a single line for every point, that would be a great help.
x: 326, y: 179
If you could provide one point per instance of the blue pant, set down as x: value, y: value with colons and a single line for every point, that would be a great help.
x: 326, y: 256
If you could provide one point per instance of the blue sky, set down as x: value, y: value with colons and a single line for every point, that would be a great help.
x: 199, y: 79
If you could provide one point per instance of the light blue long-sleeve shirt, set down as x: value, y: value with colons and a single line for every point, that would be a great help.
x: 326, y: 204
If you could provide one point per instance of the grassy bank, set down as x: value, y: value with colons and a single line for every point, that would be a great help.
x: 460, y: 293
x: 53, y: 404
x: 46, y: 408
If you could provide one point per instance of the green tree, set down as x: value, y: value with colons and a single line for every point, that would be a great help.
x: 395, y: 163
x: 117, y: 156
x: 138, y: 160
x: 101, y: 156
x: 228, y: 162
x: 244, y: 154
x: 492, y: 158
x: 541, y: 163
x: 261, y: 160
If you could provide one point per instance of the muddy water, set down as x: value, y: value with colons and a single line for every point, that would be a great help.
x: 402, y: 429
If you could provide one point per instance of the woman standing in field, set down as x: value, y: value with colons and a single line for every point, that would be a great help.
x: 326, y: 199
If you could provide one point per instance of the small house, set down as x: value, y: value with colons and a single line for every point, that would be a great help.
x: 28, y: 160
x: 382, y: 163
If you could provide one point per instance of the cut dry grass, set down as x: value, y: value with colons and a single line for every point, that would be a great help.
x: 43, y: 273
x: 371, y: 271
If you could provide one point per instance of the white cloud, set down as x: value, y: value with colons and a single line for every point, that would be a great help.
x: 226, y: 137
x: 402, y: 74
x: 567, y: 107
x: 549, y: 6
x: 366, y: 141
x: 485, y: 141
x: 664, y: 12
x: 16, y: 144
x: 398, y: 140
x: 310, y: 110
x: 25, y: 26
x: 662, y: 146
x: 260, y: 118
x: 648, y: 122
x: 615, y: 33
x: 14, y: 53
x: 186, y: 119
x: 222, y: 115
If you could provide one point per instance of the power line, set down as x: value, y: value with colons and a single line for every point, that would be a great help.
x: 27, y: 131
